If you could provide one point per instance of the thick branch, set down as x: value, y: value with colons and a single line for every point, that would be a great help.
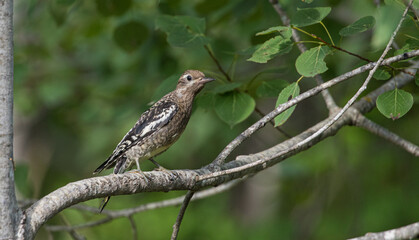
x: 114, y: 214
x: 129, y: 183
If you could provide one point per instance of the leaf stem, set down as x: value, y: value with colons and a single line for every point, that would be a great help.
x: 298, y: 81
x: 328, y: 34
x: 331, y: 45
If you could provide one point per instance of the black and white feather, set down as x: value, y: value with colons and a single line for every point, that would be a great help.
x: 159, y: 115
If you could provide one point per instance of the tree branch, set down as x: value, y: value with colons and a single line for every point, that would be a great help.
x: 259, y: 161
x: 134, y: 228
x: 114, y: 214
x: 373, y: 127
x: 346, y: 51
x: 129, y: 183
x: 358, y: 93
x: 330, y: 102
x: 261, y: 114
x: 182, y: 210
x: 407, y: 232
x: 72, y: 232
x: 80, y: 226
x: 9, y: 211
x: 282, y: 107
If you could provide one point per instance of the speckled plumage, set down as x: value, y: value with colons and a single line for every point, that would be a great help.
x: 158, y: 127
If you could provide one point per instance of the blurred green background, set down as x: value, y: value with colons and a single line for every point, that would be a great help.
x: 86, y: 70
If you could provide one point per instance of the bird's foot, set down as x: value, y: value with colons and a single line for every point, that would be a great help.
x: 141, y: 173
x: 172, y: 174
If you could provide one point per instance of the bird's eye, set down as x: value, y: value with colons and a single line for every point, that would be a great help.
x: 189, y: 77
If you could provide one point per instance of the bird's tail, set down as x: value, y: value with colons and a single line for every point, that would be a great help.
x: 104, y: 165
x: 103, y: 203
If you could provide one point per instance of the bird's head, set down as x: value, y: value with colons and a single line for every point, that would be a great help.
x: 192, y: 81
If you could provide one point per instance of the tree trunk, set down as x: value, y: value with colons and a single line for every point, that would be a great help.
x: 8, y: 204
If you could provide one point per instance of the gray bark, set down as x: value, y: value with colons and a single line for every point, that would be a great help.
x: 9, y: 212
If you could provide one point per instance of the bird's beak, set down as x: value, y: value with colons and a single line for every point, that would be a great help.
x: 206, y: 80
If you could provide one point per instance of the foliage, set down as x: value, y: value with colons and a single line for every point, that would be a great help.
x: 359, y: 26
x: 286, y: 94
x: 394, y: 104
x: 85, y: 70
x: 311, y: 62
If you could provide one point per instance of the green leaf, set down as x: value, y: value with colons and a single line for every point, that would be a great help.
x: 417, y: 80
x: 113, y: 7
x: 226, y: 87
x: 183, y: 31
x: 381, y: 75
x: 275, y: 46
x: 394, y: 104
x: 271, y: 48
x: 285, y: 32
x: 270, y: 88
x: 311, y: 62
x: 129, y: 36
x: 309, y: 16
x: 288, y: 93
x: 359, y: 26
x: 234, y: 107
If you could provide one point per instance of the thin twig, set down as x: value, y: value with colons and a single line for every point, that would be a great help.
x: 86, y: 189
x: 282, y: 107
x: 331, y: 45
x: 56, y: 228
x: 133, y: 227
x: 346, y: 51
x: 257, y: 110
x: 330, y: 102
x: 358, y: 93
x: 373, y: 127
x: 72, y: 232
x: 261, y: 114
x: 179, y: 218
x: 258, y: 161
x: 217, y: 63
x: 407, y: 232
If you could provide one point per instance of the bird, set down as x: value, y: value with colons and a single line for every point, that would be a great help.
x: 157, y: 128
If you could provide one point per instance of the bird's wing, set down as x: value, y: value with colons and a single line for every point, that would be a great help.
x: 150, y: 121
